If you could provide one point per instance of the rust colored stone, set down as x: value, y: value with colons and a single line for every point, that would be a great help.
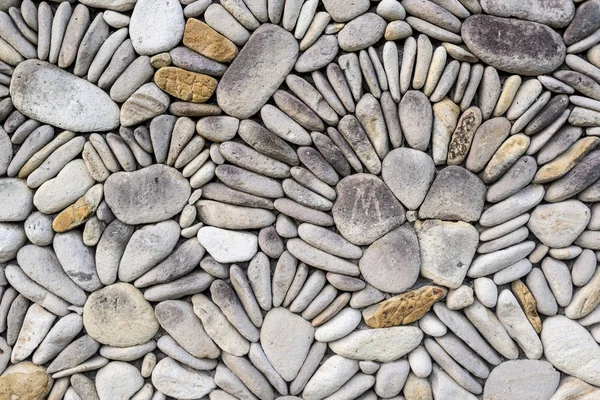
x: 203, y: 39
x: 185, y: 85
x: 403, y: 309
x: 528, y: 303
x: 73, y: 216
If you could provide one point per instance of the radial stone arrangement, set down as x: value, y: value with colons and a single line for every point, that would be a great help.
x: 300, y: 199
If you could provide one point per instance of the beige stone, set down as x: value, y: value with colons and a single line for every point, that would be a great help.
x: 79, y: 212
x: 403, y: 309
x: 508, y: 153
x: 25, y: 381
x: 119, y: 315
x: 203, y: 39
x: 566, y: 161
x: 185, y: 85
x: 528, y: 303
x: 463, y: 136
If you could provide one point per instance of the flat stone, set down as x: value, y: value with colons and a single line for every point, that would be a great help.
x: 528, y: 303
x: 116, y: 5
x: 571, y: 349
x: 586, y: 299
x: 179, y: 381
x: 456, y: 194
x: 383, y: 345
x: 361, y: 32
x: 584, y: 23
x: 227, y: 246
x: 525, y: 48
x: 271, y: 53
x: 145, y: 103
x: 51, y: 95
x: 566, y: 161
x: 584, y: 174
x: 447, y: 249
x: 148, y: 195
x: 392, y: 262
x: 573, y: 388
x: 156, y: 26
x: 25, y: 380
x: 463, y: 135
x: 329, y: 377
x: 556, y: 14
x: 408, y: 173
x: 203, y: 39
x: 118, y: 315
x: 185, y: 85
x: 488, y: 138
x: 343, y: 11
x: 559, y: 224
x: 416, y: 119
x: 365, y: 209
x: 403, y: 309
x: 17, y: 200
x: 529, y: 379
x: 229, y: 216
x: 118, y: 380
x: 286, y: 339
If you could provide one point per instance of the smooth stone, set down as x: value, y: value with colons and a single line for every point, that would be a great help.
x: 228, y: 216
x: 365, y: 209
x: 361, y: 32
x: 559, y: 224
x: 228, y: 246
x: 512, y: 207
x: 519, y: 175
x: 576, y: 180
x: 571, y: 349
x: 416, y: 119
x: 456, y: 194
x: 540, y: 50
x: 204, y: 40
x: 286, y: 339
x: 328, y: 241
x: 17, y: 198
x: 156, y: 27
x: 339, y: 326
x: 259, y: 87
x: 586, y: 298
x: 408, y: 173
x: 383, y: 345
x: 128, y: 320
x: 443, y: 386
x: 445, y: 117
x: 488, y: 138
x: 391, y: 263
x: 57, y: 193
x: 12, y: 238
x: 38, y: 228
x: 557, y: 14
x: 491, y: 329
x: 317, y: 56
x: 130, y: 353
x: 490, y: 263
x: 583, y: 268
x: 558, y: 276
x: 77, y: 260
x: 148, y: 195
x: 67, y: 102
x: 344, y: 12
x: 574, y: 388
x: 329, y: 377
x: 517, y: 325
x: 535, y: 380
x: 35, y: 327
x: 182, y: 382
x: 118, y: 380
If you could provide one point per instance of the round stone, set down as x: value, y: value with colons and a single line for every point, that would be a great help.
x: 16, y: 199
x: 365, y: 209
x: 523, y: 379
x: 392, y: 263
x: 151, y: 194
x: 118, y: 315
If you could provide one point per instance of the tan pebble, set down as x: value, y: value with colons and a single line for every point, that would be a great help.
x: 203, y: 39
x: 185, y: 85
x: 528, y: 303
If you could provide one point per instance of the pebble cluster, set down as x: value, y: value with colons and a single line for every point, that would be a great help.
x: 300, y: 199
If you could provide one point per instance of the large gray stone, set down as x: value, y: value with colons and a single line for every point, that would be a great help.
x: 365, y: 209
x: 270, y: 53
x: 555, y: 13
x: 152, y: 194
x: 361, y: 32
x: 408, y: 173
x: 16, y: 199
x: 558, y: 225
x: 512, y: 45
x: 392, y: 262
x: 286, y: 339
x: 182, y: 382
x: 521, y: 379
x: 456, y: 194
x: 51, y: 95
x: 156, y: 26
x: 447, y: 249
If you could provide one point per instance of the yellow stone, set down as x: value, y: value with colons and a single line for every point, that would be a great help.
x: 73, y: 216
x: 508, y: 153
x: 528, y: 304
x: 403, y: 309
x: 25, y: 381
x: 205, y: 40
x: 185, y: 85
x: 566, y: 161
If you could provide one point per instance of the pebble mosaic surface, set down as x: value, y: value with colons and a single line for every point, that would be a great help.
x: 300, y: 199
